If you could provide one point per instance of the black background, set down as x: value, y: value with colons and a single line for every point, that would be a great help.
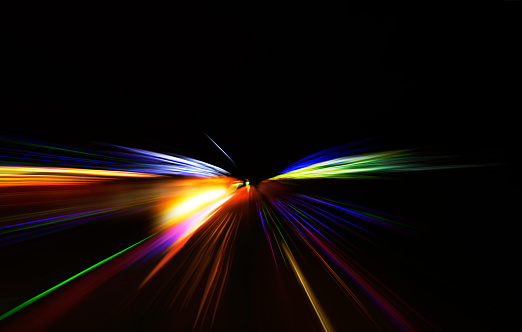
x: 272, y: 84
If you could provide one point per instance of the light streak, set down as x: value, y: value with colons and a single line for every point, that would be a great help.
x: 203, y: 199
x: 233, y: 163
x: 340, y: 163
x: 178, y: 235
x: 325, y: 249
x: 195, y: 202
x: 131, y: 163
x: 43, y: 176
x: 161, y: 163
x: 315, y: 304
x: 39, y: 296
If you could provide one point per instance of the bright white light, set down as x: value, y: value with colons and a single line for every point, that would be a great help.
x: 194, y: 203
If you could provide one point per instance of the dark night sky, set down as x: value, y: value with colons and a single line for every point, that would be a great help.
x: 269, y: 86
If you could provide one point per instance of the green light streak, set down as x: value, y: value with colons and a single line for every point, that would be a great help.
x: 277, y: 227
x: 280, y: 250
x: 39, y: 296
x: 275, y: 236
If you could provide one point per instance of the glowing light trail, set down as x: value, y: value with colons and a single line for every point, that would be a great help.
x: 39, y: 296
x: 178, y: 235
x: 233, y: 163
x: 315, y: 304
x: 32, y: 176
x: 17, y: 165
x: 202, y: 199
x: 340, y: 163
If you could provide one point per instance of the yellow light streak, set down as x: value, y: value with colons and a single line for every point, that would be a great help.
x: 315, y: 304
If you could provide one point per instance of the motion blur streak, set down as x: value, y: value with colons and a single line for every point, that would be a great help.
x: 39, y: 296
x: 313, y: 300
x: 342, y: 163
x: 220, y: 268
x: 131, y: 163
x: 178, y: 235
x: 181, y: 207
x: 180, y: 222
x: 178, y: 228
x: 294, y: 215
x: 44, y: 176
x: 285, y: 251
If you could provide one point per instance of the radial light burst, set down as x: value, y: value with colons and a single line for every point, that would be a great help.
x: 196, y: 211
